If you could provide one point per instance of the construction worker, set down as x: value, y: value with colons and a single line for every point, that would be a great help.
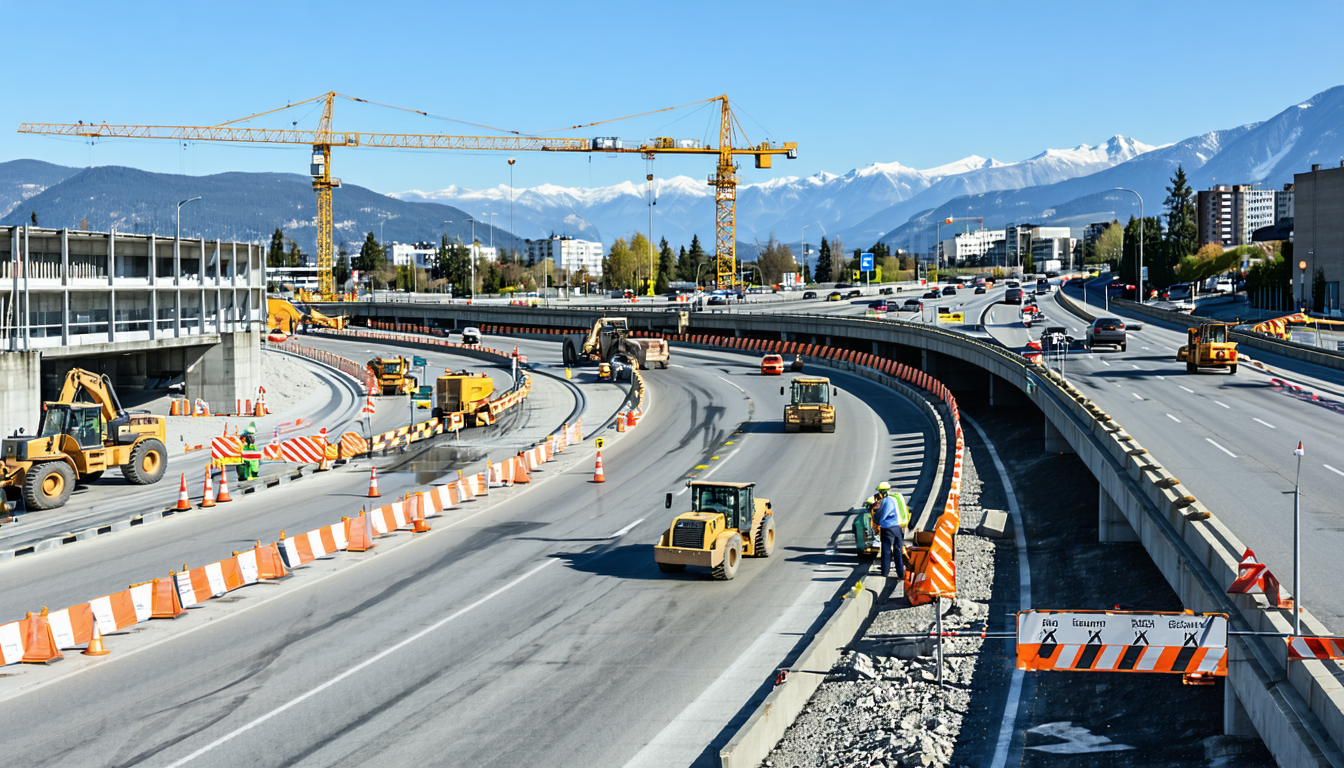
x: 892, y: 517
x: 251, y: 464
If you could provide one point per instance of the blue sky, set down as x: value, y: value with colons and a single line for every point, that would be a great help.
x: 922, y: 83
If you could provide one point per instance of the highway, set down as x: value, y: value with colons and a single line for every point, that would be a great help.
x: 531, y: 627
x: 1229, y: 439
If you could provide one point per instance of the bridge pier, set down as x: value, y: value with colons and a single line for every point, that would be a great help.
x: 1112, y: 525
x: 1054, y: 440
x: 1236, y: 721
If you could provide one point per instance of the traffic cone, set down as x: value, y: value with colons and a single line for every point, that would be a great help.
x: 373, y: 483
x: 620, y: 422
x: 223, y: 494
x: 209, y: 500
x: 39, y: 646
x: 172, y: 408
x: 421, y: 526
x: 96, y: 644
x: 183, y: 502
x: 598, y: 476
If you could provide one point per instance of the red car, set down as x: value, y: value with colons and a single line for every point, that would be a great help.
x: 772, y: 365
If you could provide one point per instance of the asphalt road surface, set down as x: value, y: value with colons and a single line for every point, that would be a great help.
x: 536, y: 630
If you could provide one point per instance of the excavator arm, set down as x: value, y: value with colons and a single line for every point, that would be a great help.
x: 97, y: 389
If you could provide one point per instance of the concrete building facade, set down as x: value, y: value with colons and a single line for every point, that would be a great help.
x: 405, y: 254
x: 1318, y: 232
x: 145, y: 309
x: 969, y: 247
x: 567, y: 253
x: 1229, y: 214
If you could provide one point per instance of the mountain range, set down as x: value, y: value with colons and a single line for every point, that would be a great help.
x: 890, y: 202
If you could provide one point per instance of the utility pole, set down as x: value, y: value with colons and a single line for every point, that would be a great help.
x: 1297, y: 543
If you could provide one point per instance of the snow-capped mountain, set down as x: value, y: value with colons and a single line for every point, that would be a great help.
x: 685, y: 206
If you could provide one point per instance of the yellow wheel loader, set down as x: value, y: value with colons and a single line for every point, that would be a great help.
x: 83, y: 434
x: 392, y: 375
x: 726, y: 523
x: 809, y: 405
x: 1207, y: 347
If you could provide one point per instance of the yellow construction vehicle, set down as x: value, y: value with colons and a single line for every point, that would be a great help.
x: 610, y: 340
x: 725, y: 524
x: 83, y: 433
x: 467, y: 394
x: 809, y: 405
x: 393, y: 376
x: 1207, y: 347
x: 285, y: 315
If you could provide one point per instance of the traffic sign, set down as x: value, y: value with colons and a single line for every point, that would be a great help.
x: 418, y: 362
x: 952, y: 317
x: 865, y: 262
x: 599, y: 442
x: 1110, y: 641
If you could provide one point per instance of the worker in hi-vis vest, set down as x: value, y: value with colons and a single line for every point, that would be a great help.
x: 892, y: 518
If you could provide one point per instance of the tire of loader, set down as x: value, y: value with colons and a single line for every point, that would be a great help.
x: 732, y: 557
x: 1189, y: 365
x: 569, y: 354
x: 662, y: 364
x: 828, y: 427
x: 90, y: 477
x: 148, y: 461
x: 790, y: 426
x: 672, y: 567
x: 48, y: 485
x: 765, y: 538
x: 1233, y: 369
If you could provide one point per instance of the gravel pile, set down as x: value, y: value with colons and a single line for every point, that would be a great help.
x: 881, y: 705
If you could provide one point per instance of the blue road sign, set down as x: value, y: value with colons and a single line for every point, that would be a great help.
x: 865, y: 262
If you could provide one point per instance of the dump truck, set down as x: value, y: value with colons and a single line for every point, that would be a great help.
x: 464, y: 393
x: 83, y: 433
x: 809, y: 405
x: 1206, y: 346
x: 393, y: 375
x: 610, y: 340
x: 725, y: 524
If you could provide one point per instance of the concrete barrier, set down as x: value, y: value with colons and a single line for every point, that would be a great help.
x: 766, y: 726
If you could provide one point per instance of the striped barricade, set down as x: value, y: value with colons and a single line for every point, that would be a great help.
x: 352, y: 444
x: 304, y: 450
x: 318, y: 543
x: 389, y: 517
x: 226, y: 447
x: 1121, y: 641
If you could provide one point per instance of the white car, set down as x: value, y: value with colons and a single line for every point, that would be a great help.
x: 471, y: 335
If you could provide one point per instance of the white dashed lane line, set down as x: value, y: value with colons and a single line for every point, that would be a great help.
x: 1221, y: 448
x: 1136, y: 395
x: 1225, y: 405
x: 1173, y: 418
x: 1266, y: 423
x: 1332, y: 469
x: 1187, y: 389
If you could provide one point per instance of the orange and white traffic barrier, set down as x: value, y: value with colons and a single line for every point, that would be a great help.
x: 418, y: 523
x: 1315, y: 648
x: 389, y: 518
x: 164, y: 602
x: 1254, y: 578
x: 95, y: 647
x: 359, y: 536
x: 598, y: 476
x: 200, y: 584
x: 520, y: 473
x: 183, y: 501
x: 39, y: 644
x: 373, y: 483
x: 209, y: 498
x: 223, y: 496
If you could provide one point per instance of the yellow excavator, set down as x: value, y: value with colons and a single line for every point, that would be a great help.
x: 609, y: 340
x: 83, y: 433
x: 284, y: 315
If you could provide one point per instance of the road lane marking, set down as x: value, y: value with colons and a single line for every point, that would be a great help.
x: 1225, y: 405
x: 1135, y: 367
x: 1161, y: 378
x: 1136, y: 395
x: 358, y: 667
x: 1105, y: 362
x: 734, y: 386
x: 1145, y: 348
x: 1332, y: 469
x: 625, y: 530
x: 1221, y: 448
x: 1173, y: 418
x: 1266, y: 423
x: 1187, y: 389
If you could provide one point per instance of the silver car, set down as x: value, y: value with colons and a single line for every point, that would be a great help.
x: 1106, y: 331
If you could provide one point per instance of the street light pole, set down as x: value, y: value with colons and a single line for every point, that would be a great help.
x: 473, y: 257
x: 515, y: 238
x: 177, y: 255
x: 1297, y: 544
x: 802, y: 245
x: 1140, y: 275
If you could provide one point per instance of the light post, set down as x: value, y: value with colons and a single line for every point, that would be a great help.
x: 1302, y: 284
x: 1140, y: 297
x: 802, y: 245
x: 652, y: 202
x: 1297, y: 544
x: 515, y: 239
x: 177, y: 254
x: 472, y: 258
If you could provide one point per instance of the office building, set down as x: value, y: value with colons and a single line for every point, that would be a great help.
x: 567, y: 253
x: 1318, y: 232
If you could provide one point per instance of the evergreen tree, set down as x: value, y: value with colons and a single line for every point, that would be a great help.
x: 695, y: 257
x: 275, y: 256
x: 341, y: 273
x: 807, y: 273
x: 371, y: 257
x: 619, y: 267
x: 295, y: 257
x: 685, y: 270
x: 824, y: 272
x: 667, y: 265
x: 1182, y: 228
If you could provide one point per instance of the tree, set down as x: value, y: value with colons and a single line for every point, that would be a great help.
x: 84, y: 224
x: 295, y: 257
x: 667, y: 264
x: 1109, y: 245
x: 371, y: 255
x: 642, y: 252
x: 1269, y: 283
x: 341, y: 273
x: 33, y: 216
x: 1208, y: 261
x: 1154, y: 252
x: 275, y: 256
x: 824, y: 271
x: 774, y: 259
x: 1182, y: 229
x: 807, y: 273
x: 618, y: 268
x: 455, y: 267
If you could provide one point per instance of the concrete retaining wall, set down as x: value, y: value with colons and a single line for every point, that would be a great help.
x: 20, y: 380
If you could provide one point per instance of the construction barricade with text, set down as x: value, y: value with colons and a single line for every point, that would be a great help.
x: 40, y: 637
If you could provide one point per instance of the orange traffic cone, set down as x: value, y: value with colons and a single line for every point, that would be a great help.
x: 421, y: 525
x: 598, y: 477
x: 172, y: 408
x: 373, y: 483
x: 223, y: 494
x: 39, y: 642
x: 209, y: 500
x: 620, y: 422
x: 183, y: 502
x: 95, y: 647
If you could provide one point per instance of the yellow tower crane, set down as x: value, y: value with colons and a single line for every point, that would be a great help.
x: 724, y: 179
